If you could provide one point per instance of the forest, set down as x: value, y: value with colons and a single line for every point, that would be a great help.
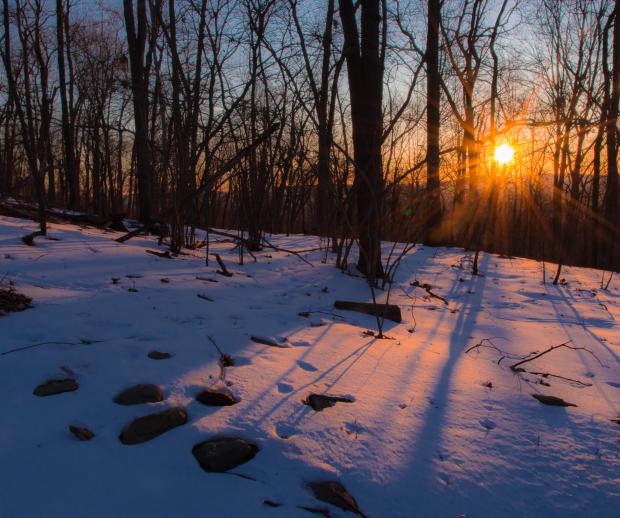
x: 289, y: 258
x: 357, y: 121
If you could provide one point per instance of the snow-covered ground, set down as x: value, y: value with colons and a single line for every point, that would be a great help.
x: 433, y: 431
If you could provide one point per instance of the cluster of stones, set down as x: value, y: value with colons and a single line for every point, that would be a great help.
x: 217, y: 454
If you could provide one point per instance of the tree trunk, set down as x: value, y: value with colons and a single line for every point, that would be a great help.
x: 136, y: 41
x: 365, y: 75
x: 611, y: 193
x: 433, y: 94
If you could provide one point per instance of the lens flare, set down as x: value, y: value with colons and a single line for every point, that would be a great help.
x: 504, y: 154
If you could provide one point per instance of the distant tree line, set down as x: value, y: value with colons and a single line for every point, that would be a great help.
x: 360, y: 121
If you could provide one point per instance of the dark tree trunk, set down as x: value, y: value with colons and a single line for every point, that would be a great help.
x: 70, y: 164
x: 365, y: 74
x: 136, y: 41
x: 433, y: 94
x: 611, y: 193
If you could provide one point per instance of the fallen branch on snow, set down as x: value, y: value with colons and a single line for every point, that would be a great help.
x: 516, y: 367
x: 82, y: 341
x: 428, y: 289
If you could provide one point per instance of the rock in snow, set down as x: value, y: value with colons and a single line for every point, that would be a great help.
x: 551, y: 400
x: 224, y: 453
x: 319, y: 402
x: 52, y: 387
x: 334, y: 493
x: 216, y: 397
x: 83, y: 434
x: 150, y: 426
x: 159, y: 355
x: 139, y: 394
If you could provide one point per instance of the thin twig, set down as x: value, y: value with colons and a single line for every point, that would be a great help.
x: 278, y: 249
x: 81, y: 342
x: 548, y: 374
x: 515, y: 366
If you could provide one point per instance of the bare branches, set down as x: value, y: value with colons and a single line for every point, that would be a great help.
x: 487, y: 343
x: 82, y: 341
x: 428, y: 289
x: 515, y: 367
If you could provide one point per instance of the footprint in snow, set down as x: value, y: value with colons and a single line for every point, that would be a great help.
x: 306, y: 366
x: 353, y: 428
x: 285, y: 388
x: 487, y: 423
x: 284, y: 430
x: 614, y: 384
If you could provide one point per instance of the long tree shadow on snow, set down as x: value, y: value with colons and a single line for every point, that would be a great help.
x: 429, y: 437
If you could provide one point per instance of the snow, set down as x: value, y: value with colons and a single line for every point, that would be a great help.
x: 433, y: 431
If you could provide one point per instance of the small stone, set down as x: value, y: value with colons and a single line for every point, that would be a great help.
x: 159, y: 355
x: 51, y: 387
x: 83, y: 434
x: 334, y: 493
x: 139, y: 394
x: 551, y: 400
x: 319, y: 402
x: 150, y: 426
x: 215, y: 397
x: 223, y: 453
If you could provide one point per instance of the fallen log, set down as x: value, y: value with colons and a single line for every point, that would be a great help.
x: 389, y: 311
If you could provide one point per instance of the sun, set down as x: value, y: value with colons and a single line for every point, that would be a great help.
x: 504, y: 154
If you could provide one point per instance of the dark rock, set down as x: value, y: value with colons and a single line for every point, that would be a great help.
x: 334, y: 493
x: 158, y: 355
x: 223, y: 453
x: 150, y: 426
x: 215, y: 397
x: 551, y: 400
x: 138, y: 394
x: 319, y: 402
x: 51, y: 387
x: 83, y: 434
